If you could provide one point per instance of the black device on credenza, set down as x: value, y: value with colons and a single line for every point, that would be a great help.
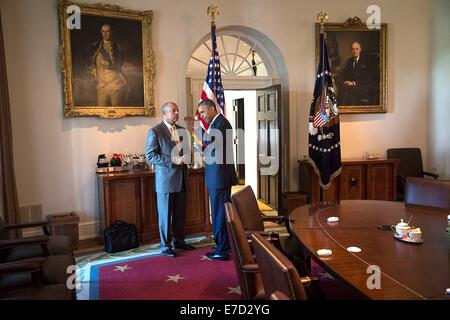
x: 102, y: 162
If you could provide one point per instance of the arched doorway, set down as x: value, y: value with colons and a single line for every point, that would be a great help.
x: 250, y: 62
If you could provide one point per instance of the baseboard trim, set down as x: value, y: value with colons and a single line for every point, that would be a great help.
x: 88, y: 230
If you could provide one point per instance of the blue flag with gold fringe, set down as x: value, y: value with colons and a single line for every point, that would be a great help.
x: 324, y: 138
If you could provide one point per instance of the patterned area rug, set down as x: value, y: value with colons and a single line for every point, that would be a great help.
x: 142, y: 273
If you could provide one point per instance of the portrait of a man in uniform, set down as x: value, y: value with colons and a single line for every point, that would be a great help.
x: 107, y: 62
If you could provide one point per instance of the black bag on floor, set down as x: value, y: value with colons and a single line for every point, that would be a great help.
x: 120, y: 236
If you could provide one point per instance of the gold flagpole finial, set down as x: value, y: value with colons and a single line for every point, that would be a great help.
x: 213, y: 11
x: 322, y: 18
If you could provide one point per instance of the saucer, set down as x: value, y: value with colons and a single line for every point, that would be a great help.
x: 407, y: 239
x: 324, y: 252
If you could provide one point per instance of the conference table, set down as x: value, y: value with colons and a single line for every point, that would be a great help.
x: 406, y: 270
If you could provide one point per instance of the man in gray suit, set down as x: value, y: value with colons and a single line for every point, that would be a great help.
x: 164, y: 151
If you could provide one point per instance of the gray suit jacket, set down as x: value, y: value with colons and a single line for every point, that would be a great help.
x: 168, y: 176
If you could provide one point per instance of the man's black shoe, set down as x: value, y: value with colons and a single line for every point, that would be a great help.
x: 168, y: 252
x: 214, y: 256
x: 185, y: 247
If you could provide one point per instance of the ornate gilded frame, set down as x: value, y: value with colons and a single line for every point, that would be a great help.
x: 354, y: 27
x: 104, y: 11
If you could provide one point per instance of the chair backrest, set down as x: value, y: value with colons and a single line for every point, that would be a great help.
x: 246, y: 206
x: 428, y: 192
x: 3, y: 232
x: 410, y: 161
x: 250, y: 282
x: 277, y: 272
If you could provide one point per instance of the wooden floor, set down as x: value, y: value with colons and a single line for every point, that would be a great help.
x: 89, y: 246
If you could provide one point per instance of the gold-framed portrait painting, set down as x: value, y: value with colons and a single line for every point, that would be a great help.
x: 107, y: 61
x: 358, y: 65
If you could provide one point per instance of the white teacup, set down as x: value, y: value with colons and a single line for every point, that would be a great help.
x: 415, y: 234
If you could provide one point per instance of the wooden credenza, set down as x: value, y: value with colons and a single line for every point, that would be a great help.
x: 359, y: 180
x: 131, y: 196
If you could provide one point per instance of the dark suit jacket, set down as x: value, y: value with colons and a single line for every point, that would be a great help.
x: 219, y: 175
x: 364, y: 73
x: 168, y: 176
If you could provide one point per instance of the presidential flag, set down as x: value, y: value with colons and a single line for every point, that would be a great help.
x: 212, y: 88
x: 324, y: 138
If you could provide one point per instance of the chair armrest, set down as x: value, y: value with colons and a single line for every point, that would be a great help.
x: 20, y: 267
x: 43, y: 224
x: 250, y: 268
x: 248, y: 233
x: 11, y: 243
x: 280, y: 219
x: 309, y: 280
x: 278, y: 295
x: 277, y: 219
x: 268, y: 235
x: 435, y: 176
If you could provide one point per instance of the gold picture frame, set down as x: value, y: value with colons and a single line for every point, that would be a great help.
x: 360, y: 89
x: 107, y: 61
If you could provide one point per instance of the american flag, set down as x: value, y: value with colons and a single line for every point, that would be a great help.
x: 321, y: 118
x: 212, y: 88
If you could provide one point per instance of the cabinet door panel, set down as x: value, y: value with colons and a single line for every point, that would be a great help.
x: 195, y: 201
x: 150, y: 212
x: 380, y: 184
x: 352, y: 182
x: 125, y: 201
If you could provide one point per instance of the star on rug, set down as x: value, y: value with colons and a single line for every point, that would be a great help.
x: 204, y: 257
x: 236, y: 290
x: 175, y: 278
x: 122, y: 268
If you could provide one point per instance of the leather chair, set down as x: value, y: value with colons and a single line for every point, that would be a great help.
x: 14, y: 249
x: 246, y: 268
x: 279, y: 276
x: 253, y: 220
x: 428, y: 193
x: 410, y: 166
x: 27, y: 277
x: 36, y: 279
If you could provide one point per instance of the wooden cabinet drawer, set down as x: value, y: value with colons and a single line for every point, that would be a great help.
x: 359, y: 180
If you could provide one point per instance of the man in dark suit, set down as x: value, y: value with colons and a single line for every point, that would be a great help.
x: 220, y: 173
x: 359, y: 80
x: 164, y: 151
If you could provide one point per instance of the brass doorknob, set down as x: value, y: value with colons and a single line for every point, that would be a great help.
x: 353, y: 182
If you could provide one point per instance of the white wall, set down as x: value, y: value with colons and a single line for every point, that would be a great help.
x: 439, y: 119
x: 55, y: 157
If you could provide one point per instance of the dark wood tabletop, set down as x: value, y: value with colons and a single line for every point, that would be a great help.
x: 408, y: 270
